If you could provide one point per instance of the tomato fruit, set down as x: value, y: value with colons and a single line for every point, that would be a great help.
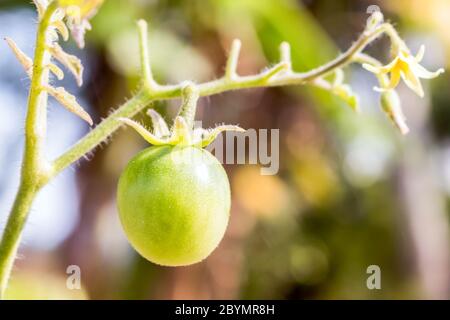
x: 174, y: 212
x: 174, y: 197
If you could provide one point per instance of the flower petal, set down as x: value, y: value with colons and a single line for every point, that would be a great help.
x: 371, y: 68
x: 420, y: 54
x: 413, y: 82
x: 390, y: 66
x: 423, y: 73
x: 394, y: 80
x: 78, y: 13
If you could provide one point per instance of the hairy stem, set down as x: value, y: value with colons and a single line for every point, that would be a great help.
x: 36, y: 121
x: 12, y: 233
x: 102, y: 131
x: 144, y: 54
x: 34, y: 172
x: 189, y: 104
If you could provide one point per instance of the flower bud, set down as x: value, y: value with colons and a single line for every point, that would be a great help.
x: 346, y: 93
x: 391, y: 105
x: 374, y: 20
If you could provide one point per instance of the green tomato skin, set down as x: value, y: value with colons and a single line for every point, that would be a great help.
x: 174, y: 204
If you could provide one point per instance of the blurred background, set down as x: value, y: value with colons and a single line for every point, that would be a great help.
x: 351, y: 191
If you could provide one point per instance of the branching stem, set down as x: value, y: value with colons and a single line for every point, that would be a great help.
x: 163, y: 92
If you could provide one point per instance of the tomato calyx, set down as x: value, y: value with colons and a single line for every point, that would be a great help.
x: 182, y: 132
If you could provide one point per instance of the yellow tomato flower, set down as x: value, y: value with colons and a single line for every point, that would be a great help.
x: 78, y: 13
x: 406, y: 67
x: 81, y: 9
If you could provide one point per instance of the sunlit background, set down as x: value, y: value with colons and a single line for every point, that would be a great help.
x: 351, y: 191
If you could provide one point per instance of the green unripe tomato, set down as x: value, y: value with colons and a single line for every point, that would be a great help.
x: 174, y: 204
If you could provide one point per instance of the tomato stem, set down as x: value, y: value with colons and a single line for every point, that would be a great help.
x: 158, y: 92
x: 35, y: 169
x: 189, y: 98
x: 146, y: 70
